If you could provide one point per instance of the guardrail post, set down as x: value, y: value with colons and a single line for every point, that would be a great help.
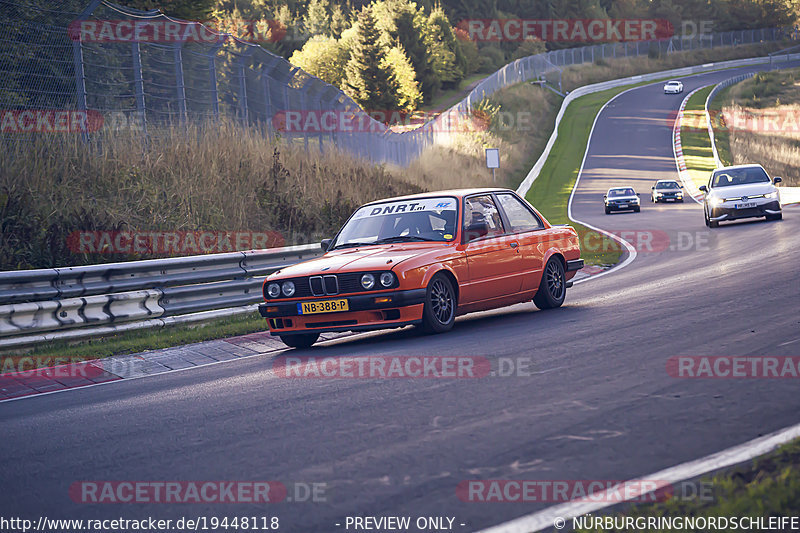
x: 80, y: 73
x: 212, y: 76
x: 240, y: 73
x: 180, y: 88
x: 138, y: 84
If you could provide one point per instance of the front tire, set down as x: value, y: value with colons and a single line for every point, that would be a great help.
x: 439, y: 312
x: 553, y: 287
x: 710, y: 223
x: 608, y: 211
x: 637, y: 209
x: 301, y: 340
x: 779, y: 216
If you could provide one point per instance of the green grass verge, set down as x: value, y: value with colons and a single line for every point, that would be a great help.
x: 767, y: 486
x: 695, y: 140
x: 135, y: 341
x: 446, y: 99
x: 721, y: 133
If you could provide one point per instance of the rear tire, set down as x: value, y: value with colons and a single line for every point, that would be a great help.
x: 553, y: 287
x: 301, y: 340
x: 439, y: 312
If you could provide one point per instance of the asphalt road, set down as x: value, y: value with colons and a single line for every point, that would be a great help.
x: 598, y: 403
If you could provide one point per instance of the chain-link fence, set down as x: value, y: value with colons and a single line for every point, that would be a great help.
x: 68, y: 65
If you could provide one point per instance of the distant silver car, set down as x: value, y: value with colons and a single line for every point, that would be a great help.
x: 741, y: 191
x: 621, y: 199
x: 666, y: 191
x: 673, y: 87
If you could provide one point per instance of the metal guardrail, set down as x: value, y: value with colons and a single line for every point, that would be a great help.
x: 56, y: 299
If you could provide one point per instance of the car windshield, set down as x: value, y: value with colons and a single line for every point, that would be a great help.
x: 672, y: 83
x: 419, y: 219
x: 667, y: 185
x: 739, y: 176
x: 627, y: 191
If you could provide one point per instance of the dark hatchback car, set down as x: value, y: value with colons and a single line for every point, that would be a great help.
x: 666, y: 191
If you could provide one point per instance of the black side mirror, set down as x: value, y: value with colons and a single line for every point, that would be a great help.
x: 605, y: 196
x: 476, y: 230
x: 652, y: 188
x: 637, y: 194
x: 703, y: 188
x: 777, y: 179
x: 325, y: 244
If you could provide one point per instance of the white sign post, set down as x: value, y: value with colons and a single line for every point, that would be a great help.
x: 493, y: 160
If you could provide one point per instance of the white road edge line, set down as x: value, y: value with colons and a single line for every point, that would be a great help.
x: 676, y: 136
x: 628, y: 246
x: 726, y: 458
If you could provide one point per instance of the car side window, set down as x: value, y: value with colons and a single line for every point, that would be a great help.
x: 520, y: 218
x: 481, y: 209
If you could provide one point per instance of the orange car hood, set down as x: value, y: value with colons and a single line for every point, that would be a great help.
x: 358, y: 259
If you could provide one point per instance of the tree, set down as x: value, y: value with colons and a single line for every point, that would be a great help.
x: 316, y: 20
x: 448, y: 62
x: 324, y: 58
x: 369, y: 80
x: 339, y: 21
x: 409, y: 96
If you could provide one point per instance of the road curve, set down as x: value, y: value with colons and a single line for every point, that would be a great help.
x: 599, y: 403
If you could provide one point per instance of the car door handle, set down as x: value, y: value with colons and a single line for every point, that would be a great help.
x: 514, y: 244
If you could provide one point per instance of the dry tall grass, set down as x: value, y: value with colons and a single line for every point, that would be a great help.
x: 220, y: 179
x: 762, y: 118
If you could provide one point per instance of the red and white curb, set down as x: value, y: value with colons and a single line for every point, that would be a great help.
x: 677, y: 150
x: 51, y: 379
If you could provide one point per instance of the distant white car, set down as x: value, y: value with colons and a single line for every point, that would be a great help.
x: 673, y: 87
x: 741, y: 191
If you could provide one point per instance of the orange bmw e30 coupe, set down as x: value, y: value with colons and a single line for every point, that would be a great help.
x: 423, y: 260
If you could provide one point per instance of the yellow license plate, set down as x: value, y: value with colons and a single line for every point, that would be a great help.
x: 324, y: 306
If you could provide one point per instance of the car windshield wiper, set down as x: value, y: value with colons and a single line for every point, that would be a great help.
x: 351, y: 245
x: 404, y: 238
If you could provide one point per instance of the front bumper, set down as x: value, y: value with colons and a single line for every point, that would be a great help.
x: 402, y: 308
x: 722, y: 212
x: 616, y: 207
x: 667, y: 197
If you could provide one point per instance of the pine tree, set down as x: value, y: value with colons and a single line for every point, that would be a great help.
x: 316, y: 20
x: 369, y: 80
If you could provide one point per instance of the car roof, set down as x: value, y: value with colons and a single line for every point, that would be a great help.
x: 735, y: 167
x: 673, y: 81
x: 666, y: 181
x: 458, y: 193
x: 621, y: 187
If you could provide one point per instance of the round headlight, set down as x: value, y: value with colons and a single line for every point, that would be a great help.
x: 273, y: 290
x: 368, y: 281
x: 387, y: 279
x: 715, y: 201
x: 287, y: 288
